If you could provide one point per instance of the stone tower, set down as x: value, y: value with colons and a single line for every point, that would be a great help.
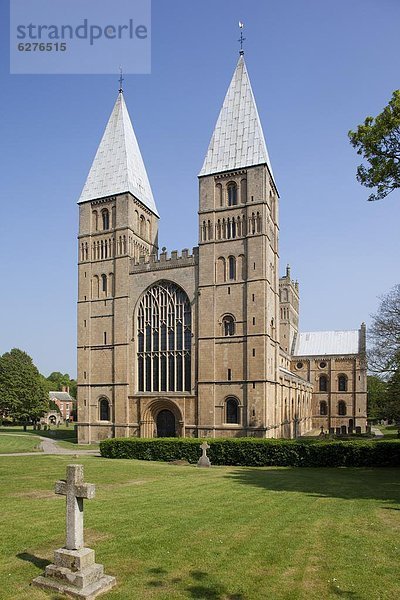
x: 289, y: 311
x: 118, y: 222
x: 238, y: 289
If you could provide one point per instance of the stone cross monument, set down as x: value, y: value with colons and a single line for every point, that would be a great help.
x: 204, y: 461
x: 74, y: 572
x: 75, y: 491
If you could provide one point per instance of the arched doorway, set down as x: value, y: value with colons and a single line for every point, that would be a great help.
x: 166, y: 426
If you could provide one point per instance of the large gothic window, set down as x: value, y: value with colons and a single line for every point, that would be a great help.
x: 164, y: 335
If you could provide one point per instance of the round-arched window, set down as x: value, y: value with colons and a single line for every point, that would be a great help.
x: 228, y: 325
x: 232, y: 194
x: 342, y: 383
x: 323, y: 383
x: 232, y: 410
x: 104, y: 409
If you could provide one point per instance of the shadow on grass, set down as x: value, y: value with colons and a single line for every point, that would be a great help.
x: 346, y: 483
x: 40, y: 563
x: 203, y: 586
x: 344, y: 593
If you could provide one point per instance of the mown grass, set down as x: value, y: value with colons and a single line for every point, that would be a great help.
x: 10, y: 442
x: 390, y: 431
x: 66, y: 437
x: 172, y: 532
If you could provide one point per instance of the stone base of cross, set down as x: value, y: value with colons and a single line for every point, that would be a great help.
x: 204, y: 461
x: 75, y: 572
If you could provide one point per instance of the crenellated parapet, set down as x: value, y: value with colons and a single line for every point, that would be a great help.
x: 163, y: 261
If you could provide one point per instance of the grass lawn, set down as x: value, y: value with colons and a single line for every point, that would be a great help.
x: 10, y: 442
x: 65, y: 436
x: 226, y: 533
x: 389, y: 432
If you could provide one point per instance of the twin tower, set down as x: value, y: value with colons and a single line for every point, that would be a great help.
x: 186, y: 344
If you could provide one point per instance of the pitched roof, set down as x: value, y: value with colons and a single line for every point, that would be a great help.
x: 238, y: 139
x: 62, y: 396
x: 321, y: 343
x: 118, y: 166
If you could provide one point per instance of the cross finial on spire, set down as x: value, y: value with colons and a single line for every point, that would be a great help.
x: 121, y: 79
x: 241, y: 39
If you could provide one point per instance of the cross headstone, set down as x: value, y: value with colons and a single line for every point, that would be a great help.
x: 75, y: 572
x: 76, y: 491
x: 204, y: 461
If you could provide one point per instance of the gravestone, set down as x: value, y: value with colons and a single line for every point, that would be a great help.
x: 358, y: 430
x: 338, y: 431
x: 204, y: 461
x: 75, y: 572
x: 331, y: 430
x: 344, y: 429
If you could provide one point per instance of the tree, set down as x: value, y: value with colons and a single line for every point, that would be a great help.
x: 22, y: 394
x: 393, y: 394
x: 384, y: 334
x: 378, y: 141
x: 376, y: 397
x: 57, y: 381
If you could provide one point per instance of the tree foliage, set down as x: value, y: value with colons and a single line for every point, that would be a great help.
x: 376, y: 398
x: 23, y: 396
x: 377, y: 140
x: 393, y: 395
x: 384, y: 334
x: 384, y: 359
x: 56, y: 381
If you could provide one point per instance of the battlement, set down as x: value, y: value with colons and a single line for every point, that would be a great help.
x: 159, y: 263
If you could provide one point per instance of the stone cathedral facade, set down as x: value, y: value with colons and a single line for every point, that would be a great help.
x: 201, y: 343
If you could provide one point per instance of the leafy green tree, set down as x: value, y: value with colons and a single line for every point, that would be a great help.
x: 58, y: 380
x: 384, y: 334
x: 393, y: 394
x: 22, y: 394
x: 377, y: 140
x: 376, y: 397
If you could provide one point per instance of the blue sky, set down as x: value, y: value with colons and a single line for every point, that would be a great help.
x: 317, y: 69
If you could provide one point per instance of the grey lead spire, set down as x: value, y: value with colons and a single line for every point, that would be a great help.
x: 238, y: 140
x: 118, y: 166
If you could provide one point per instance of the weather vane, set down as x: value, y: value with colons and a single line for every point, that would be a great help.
x: 121, y: 79
x: 241, y: 39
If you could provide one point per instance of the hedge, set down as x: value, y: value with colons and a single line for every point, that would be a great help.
x: 255, y: 452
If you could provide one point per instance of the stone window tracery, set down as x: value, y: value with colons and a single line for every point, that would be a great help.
x: 164, y: 339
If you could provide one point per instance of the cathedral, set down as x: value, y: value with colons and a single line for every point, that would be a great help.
x: 202, y: 342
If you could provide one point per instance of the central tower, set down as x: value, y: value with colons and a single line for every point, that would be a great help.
x: 238, y: 289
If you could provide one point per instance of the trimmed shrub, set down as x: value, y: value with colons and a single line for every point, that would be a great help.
x: 255, y: 452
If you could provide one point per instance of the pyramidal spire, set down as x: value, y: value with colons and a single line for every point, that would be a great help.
x: 118, y: 166
x: 238, y: 140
